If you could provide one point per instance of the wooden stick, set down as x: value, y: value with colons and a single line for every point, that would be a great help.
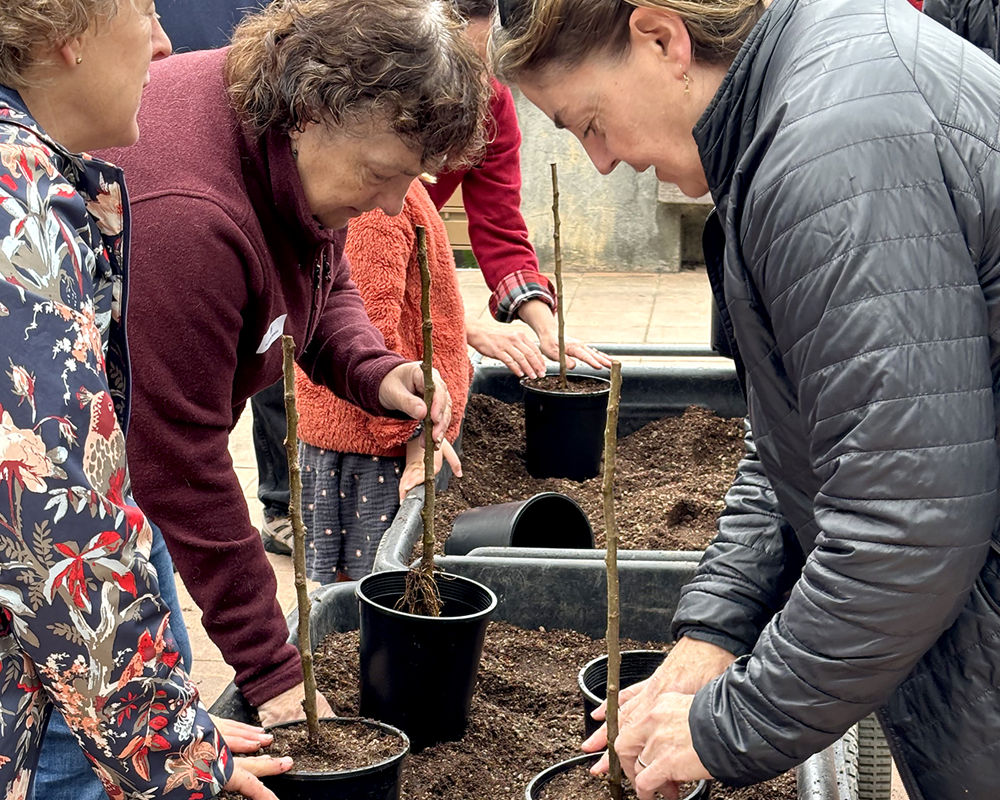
x: 614, y: 597
x: 556, y: 243
x: 299, y: 537
x: 427, y: 515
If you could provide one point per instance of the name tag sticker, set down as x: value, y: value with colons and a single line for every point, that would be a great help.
x: 274, y: 331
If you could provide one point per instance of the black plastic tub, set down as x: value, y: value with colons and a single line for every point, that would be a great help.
x: 701, y: 792
x: 636, y: 665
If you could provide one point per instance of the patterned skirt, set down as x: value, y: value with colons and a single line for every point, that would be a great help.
x: 348, y: 502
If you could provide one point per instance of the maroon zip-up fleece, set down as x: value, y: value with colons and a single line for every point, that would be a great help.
x: 225, y: 256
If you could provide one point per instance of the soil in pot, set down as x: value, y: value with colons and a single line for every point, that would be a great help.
x: 670, y: 479
x: 343, y: 745
x: 525, y: 714
x: 575, y: 385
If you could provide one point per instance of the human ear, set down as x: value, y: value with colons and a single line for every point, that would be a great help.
x: 664, y: 33
x: 71, y: 53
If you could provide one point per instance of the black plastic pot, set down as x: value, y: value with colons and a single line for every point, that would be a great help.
x: 564, y: 432
x: 541, y: 780
x: 637, y: 665
x: 548, y: 519
x: 376, y: 782
x: 419, y: 673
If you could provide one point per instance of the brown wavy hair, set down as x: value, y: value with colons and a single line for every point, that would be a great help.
x: 339, y: 62
x: 30, y: 29
x: 537, y: 34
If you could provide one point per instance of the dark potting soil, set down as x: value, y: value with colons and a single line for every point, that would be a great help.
x: 342, y: 745
x: 527, y: 713
x: 574, y: 385
x: 670, y: 479
x: 579, y: 784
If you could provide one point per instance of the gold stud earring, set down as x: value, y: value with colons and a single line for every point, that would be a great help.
x: 79, y: 59
x: 687, y: 84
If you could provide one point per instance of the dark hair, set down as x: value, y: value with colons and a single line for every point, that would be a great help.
x: 342, y: 61
x: 536, y: 34
x: 475, y: 9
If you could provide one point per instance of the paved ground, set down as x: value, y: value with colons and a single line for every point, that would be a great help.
x: 600, y: 307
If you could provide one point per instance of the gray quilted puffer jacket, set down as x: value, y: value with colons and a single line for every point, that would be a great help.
x: 975, y: 20
x: 855, y: 256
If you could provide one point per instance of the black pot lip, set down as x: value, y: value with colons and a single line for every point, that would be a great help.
x: 604, y: 657
x: 345, y: 773
x: 556, y: 393
x: 549, y: 773
x: 392, y: 612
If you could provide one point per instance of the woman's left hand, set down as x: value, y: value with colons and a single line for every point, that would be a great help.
x: 402, y: 389
x: 660, y: 734
x: 240, y: 737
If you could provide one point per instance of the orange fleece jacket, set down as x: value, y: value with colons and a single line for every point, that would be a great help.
x: 383, y: 254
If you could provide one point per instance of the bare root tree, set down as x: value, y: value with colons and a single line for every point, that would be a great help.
x: 421, y: 595
x: 557, y: 248
x: 299, y: 537
x: 614, y: 596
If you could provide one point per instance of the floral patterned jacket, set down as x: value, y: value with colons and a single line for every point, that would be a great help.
x: 82, y: 626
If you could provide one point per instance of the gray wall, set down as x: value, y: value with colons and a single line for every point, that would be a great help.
x: 608, y: 223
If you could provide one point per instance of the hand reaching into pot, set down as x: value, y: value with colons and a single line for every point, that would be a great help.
x: 243, y: 738
x: 287, y: 707
x: 413, y: 472
x: 539, y: 316
x: 510, y: 346
x: 402, y: 389
x: 653, y: 718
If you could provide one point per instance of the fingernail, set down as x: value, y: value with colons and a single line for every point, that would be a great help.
x: 286, y: 762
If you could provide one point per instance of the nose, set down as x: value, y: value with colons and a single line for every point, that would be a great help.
x: 599, y: 154
x: 391, y: 200
x: 161, y: 42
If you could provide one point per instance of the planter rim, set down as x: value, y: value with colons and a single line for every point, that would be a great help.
x: 359, y: 771
x: 549, y: 773
x: 556, y: 393
x: 359, y: 592
x: 604, y: 657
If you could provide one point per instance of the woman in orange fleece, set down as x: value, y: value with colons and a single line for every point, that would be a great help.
x: 355, y: 467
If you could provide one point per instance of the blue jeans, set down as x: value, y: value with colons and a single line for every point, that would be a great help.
x: 63, y: 771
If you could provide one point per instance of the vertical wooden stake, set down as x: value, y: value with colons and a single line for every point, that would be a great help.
x: 299, y: 537
x: 421, y: 595
x: 557, y: 246
x: 614, y: 597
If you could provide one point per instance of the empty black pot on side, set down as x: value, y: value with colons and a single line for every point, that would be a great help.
x: 534, y: 791
x: 548, y: 519
x: 564, y: 432
x: 376, y: 782
x: 419, y: 673
x: 637, y: 665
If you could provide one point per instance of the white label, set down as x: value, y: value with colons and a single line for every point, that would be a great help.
x: 273, y: 332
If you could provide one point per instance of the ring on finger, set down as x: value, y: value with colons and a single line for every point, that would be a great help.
x: 640, y: 762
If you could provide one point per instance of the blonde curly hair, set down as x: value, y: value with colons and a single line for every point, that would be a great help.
x: 30, y: 29
x: 342, y: 61
x: 536, y: 34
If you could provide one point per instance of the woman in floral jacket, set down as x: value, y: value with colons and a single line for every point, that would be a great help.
x: 82, y: 624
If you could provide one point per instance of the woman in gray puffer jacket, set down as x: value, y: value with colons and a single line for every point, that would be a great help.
x: 851, y: 149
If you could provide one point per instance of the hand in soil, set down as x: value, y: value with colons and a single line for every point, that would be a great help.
x: 287, y: 707
x: 402, y: 389
x: 413, y: 472
x: 240, y: 737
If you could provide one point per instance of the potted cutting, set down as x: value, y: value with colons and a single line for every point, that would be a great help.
x: 421, y: 631
x: 554, y: 783
x: 564, y: 415
x: 334, y: 757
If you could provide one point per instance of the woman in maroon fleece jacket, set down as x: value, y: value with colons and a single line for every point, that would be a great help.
x: 253, y: 161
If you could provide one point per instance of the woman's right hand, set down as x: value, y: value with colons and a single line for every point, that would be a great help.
x: 248, y: 770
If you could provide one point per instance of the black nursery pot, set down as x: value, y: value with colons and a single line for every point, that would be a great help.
x: 376, y: 782
x: 637, y: 665
x: 543, y: 778
x: 564, y: 432
x: 548, y: 519
x: 419, y: 673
